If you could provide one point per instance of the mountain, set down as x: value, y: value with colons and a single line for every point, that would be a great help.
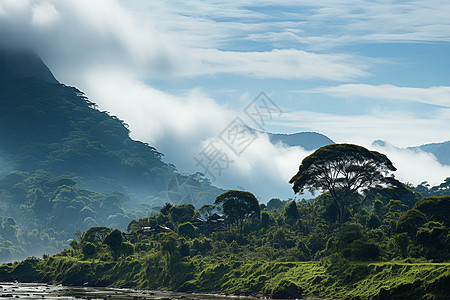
x: 49, y: 126
x: 67, y: 166
x: 307, y: 140
x: 21, y: 64
x: 440, y: 150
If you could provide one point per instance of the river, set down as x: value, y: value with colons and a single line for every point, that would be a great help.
x: 10, y: 290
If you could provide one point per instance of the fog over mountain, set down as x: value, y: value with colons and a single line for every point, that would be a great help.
x: 49, y: 126
x: 441, y: 151
x: 21, y: 64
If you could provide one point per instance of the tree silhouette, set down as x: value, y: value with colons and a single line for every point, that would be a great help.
x: 238, y: 205
x: 114, y: 241
x: 343, y: 170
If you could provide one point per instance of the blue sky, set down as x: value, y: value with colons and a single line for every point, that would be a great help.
x: 353, y: 58
x: 178, y: 72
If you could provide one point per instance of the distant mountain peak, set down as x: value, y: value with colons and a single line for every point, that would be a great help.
x: 380, y: 143
x: 440, y: 150
x: 23, y: 64
x: 307, y: 140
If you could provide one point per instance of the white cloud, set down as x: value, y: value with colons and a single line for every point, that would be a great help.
x: 414, y: 166
x: 157, y: 117
x: 44, y: 14
x: 262, y: 168
x: 397, y: 127
x: 181, y: 126
x: 285, y: 63
x: 319, y: 24
x: 347, y: 22
x: 13, y: 5
x: 85, y: 35
x: 109, y: 48
x: 436, y: 95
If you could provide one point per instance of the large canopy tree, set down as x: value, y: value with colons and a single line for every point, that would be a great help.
x: 114, y: 241
x: 343, y: 170
x: 238, y: 205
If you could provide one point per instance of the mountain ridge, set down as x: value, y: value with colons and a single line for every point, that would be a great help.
x: 308, y: 140
x: 22, y: 64
x: 50, y: 126
x: 440, y: 150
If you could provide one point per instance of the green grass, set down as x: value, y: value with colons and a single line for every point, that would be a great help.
x: 330, y: 280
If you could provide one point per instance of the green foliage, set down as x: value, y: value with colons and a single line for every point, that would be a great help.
x: 40, y: 213
x: 401, y: 244
x: 373, y: 221
x: 334, y: 278
x: 442, y: 189
x: 266, y: 220
x: 274, y: 204
x: 271, y: 257
x: 343, y: 170
x: 238, y: 205
x: 182, y: 213
x: 291, y: 211
x: 410, y: 221
x: 187, y: 230
x: 95, y: 234
x: 114, y: 241
x: 286, y: 289
x: 436, y: 208
x: 434, y: 238
x: 88, y: 249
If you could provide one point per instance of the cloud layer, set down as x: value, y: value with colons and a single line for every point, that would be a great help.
x: 76, y: 36
x: 436, y: 95
x: 397, y: 127
x: 415, y: 166
x: 115, y: 50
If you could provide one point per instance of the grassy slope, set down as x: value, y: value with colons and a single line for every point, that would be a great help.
x: 349, y: 280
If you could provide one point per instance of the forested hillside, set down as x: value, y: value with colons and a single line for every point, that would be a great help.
x: 56, y: 128
x: 366, y: 236
x: 63, y: 159
x: 41, y: 213
x: 384, y: 250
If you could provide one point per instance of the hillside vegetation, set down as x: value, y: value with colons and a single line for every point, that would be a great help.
x: 73, y: 178
x: 68, y: 166
x: 287, y: 250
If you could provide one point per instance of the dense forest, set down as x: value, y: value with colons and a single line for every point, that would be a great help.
x: 67, y: 166
x: 73, y: 179
x: 52, y: 127
x: 337, y: 240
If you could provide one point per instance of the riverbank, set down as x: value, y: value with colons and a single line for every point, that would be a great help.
x: 60, y: 292
x: 326, y: 279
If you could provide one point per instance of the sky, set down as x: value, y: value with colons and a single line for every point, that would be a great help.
x: 181, y: 73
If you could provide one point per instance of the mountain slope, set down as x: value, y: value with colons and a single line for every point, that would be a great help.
x: 440, y: 150
x: 50, y: 126
x: 307, y: 140
x: 21, y: 64
x: 54, y: 127
x: 63, y: 161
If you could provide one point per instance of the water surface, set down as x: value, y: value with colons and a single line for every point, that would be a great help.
x: 10, y: 290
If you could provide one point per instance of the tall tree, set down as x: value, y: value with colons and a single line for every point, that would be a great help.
x: 95, y: 234
x: 238, y: 205
x: 114, y: 241
x: 343, y: 170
